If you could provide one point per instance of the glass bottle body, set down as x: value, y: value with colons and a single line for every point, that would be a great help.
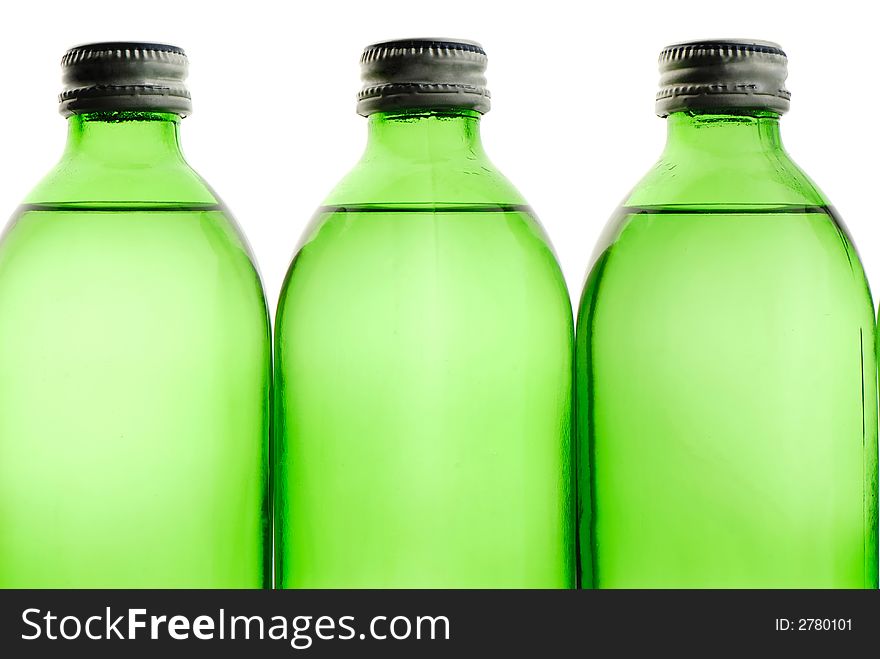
x: 423, y: 348
x: 726, y: 376
x: 134, y: 374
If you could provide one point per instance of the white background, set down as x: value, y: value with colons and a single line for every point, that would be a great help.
x: 572, y: 124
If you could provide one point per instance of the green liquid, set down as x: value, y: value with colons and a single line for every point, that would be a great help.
x: 134, y: 380
x: 728, y: 404
x: 424, y: 384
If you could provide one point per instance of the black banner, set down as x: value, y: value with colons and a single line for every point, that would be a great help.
x: 365, y: 623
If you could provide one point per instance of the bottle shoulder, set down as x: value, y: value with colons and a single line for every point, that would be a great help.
x: 380, y: 202
x: 700, y: 183
x: 111, y: 233
x: 83, y: 187
x: 447, y: 189
x: 90, y: 181
x: 697, y: 178
x: 388, y: 180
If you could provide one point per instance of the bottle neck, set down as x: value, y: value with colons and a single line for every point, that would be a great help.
x: 424, y: 157
x: 723, y: 135
x: 124, y: 139
x: 425, y: 135
x: 122, y: 158
x: 734, y: 159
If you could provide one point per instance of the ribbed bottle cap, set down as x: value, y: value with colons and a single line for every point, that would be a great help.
x: 423, y: 73
x: 124, y: 76
x: 722, y: 73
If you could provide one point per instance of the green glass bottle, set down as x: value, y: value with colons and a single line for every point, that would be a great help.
x: 727, y: 406
x: 423, y: 356
x: 134, y: 353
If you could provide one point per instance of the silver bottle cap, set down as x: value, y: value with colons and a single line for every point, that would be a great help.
x: 124, y: 76
x: 423, y: 73
x: 723, y: 74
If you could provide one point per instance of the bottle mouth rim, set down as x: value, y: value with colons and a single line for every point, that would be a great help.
x: 100, y: 46
x: 756, y: 45
x: 428, y: 42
